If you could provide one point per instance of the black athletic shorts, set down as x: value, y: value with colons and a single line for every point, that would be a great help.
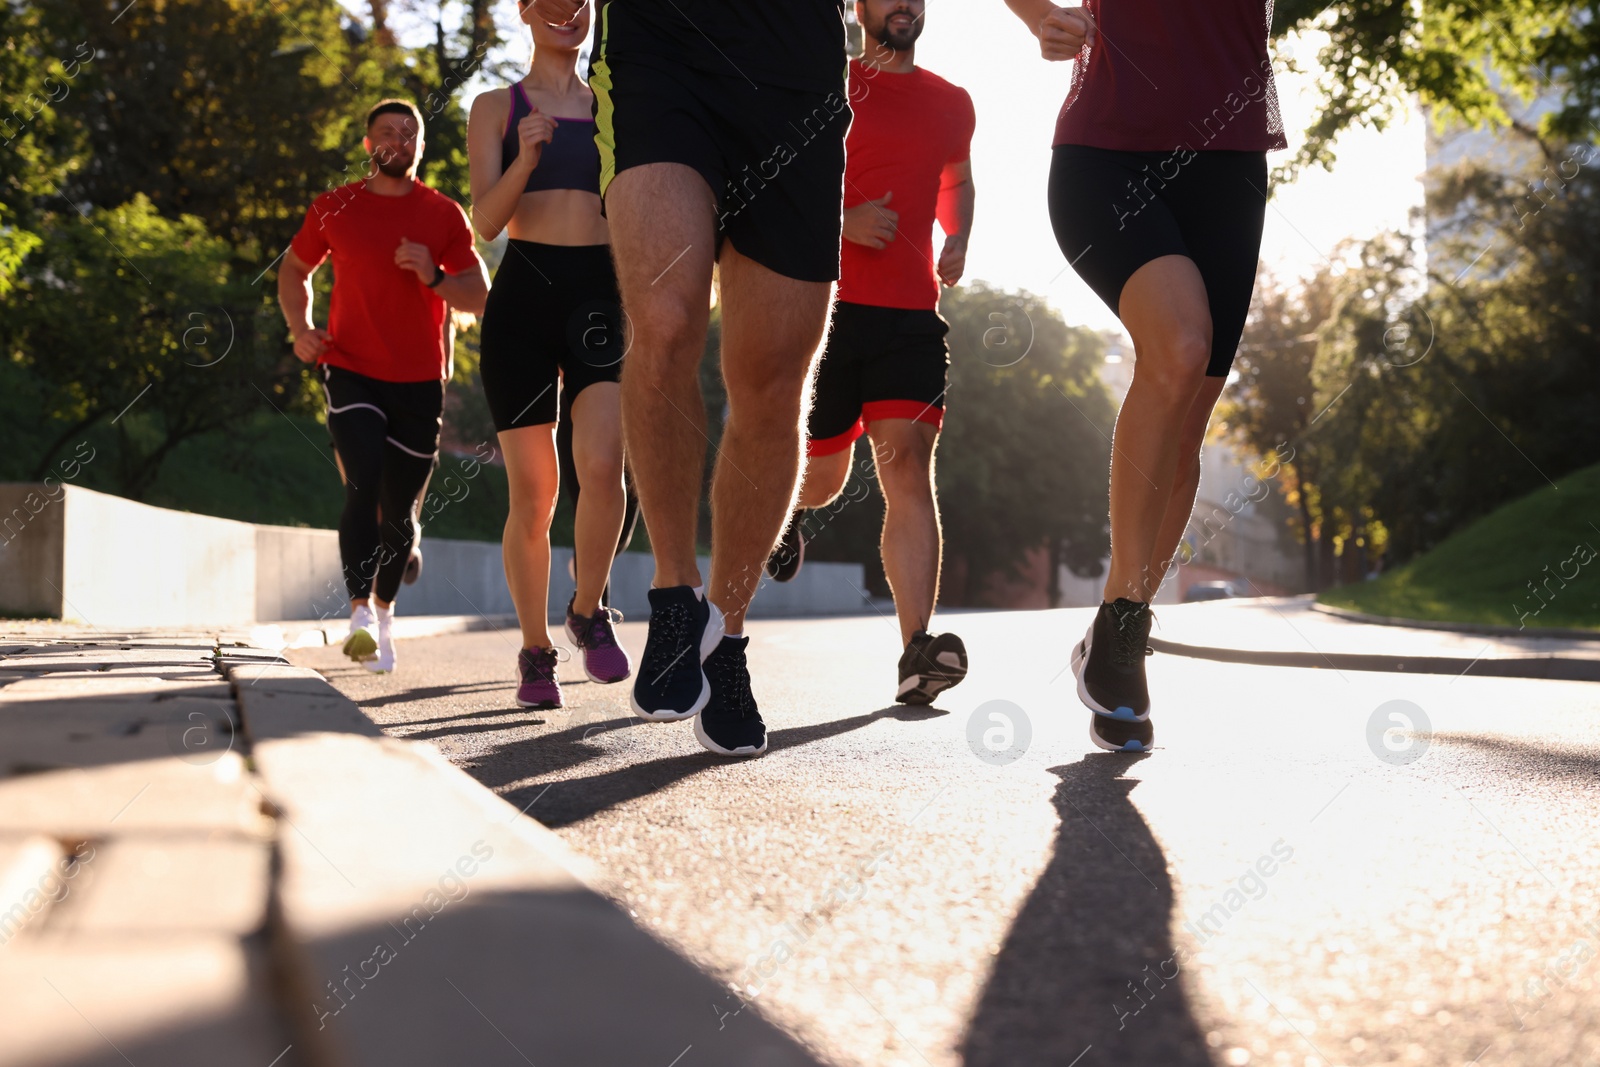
x: 552, y: 325
x: 880, y: 363
x: 1113, y: 212
x: 773, y: 156
x: 412, y: 412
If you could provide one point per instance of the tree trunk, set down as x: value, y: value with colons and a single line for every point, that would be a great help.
x: 381, y: 33
x: 1311, y: 544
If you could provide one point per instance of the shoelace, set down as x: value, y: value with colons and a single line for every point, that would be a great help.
x: 668, y: 641
x: 543, y: 663
x: 1128, y: 645
x: 598, y: 632
x: 730, y: 675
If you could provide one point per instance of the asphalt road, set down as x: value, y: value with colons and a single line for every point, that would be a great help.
x: 1278, y: 883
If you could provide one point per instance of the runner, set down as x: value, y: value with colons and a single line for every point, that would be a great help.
x: 1157, y: 198
x: 552, y: 337
x: 402, y: 257
x: 721, y: 133
x: 908, y: 161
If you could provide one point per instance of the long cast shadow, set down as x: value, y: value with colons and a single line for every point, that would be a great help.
x: 1089, y: 969
x: 573, y: 800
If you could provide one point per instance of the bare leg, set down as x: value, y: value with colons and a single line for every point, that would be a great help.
x: 1180, y: 505
x: 663, y: 220
x: 534, y: 478
x: 1164, y: 307
x: 597, y: 455
x: 772, y: 330
x: 912, y: 542
x: 824, y: 478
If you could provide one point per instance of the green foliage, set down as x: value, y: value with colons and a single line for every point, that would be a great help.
x: 1415, y: 404
x: 1458, y: 57
x: 1521, y: 565
x: 170, y: 341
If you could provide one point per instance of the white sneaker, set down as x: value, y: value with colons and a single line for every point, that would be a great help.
x: 362, y: 642
x: 383, y: 662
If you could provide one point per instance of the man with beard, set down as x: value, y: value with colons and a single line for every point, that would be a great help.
x: 721, y: 135
x: 884, y: 370
x: 402, y: 257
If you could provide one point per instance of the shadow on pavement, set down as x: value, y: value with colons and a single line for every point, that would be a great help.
x: 1093, y: 932
x: 575, y: 799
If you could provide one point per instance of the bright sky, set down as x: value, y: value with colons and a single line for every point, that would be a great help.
x: 986, y: 50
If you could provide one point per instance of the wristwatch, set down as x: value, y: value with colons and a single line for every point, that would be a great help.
x: 438, y: 276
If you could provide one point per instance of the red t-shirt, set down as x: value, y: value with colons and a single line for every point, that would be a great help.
x: 907, y: 129
x: 1166, y: 75
x: 385, y: 323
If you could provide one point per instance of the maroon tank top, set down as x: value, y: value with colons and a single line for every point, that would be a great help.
x: 1167, y: 74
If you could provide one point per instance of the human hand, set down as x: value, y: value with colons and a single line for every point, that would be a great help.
x: 1064, y: 32
x: 871, y: 223
x: 415, y: 257
x: 953, y: 260
x: 558, y: 12
x: 311, y: 344
x: 534, y: 131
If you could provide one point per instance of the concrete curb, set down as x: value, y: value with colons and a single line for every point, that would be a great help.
x: 1483, y: 629
x: 278, y: 636
x: 384, y: 842
x: 1550, y: 668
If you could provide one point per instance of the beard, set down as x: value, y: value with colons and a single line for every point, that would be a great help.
x: 898, y: 40
x: 394, y: 166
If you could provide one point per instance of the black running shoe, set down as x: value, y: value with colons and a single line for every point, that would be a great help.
x: 1109, y: 665
x: 731, y: 723
x: 684, y: 630
x: 784, y: 563
x: 930, y: 664
x: 1121, y: 735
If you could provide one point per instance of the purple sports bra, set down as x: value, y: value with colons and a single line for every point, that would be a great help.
x: 570, y: 161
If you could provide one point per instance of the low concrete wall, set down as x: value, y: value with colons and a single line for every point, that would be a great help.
x: 72, y: 553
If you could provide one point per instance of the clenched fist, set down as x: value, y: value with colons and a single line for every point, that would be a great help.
x: 534, y: 131
x: 310, y: 345
x: 415, y: 257
x: 871, y: 223
x: 1064, y: 32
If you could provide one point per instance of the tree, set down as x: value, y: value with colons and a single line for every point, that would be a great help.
x: 1458, y: 57
x: 167, y: 353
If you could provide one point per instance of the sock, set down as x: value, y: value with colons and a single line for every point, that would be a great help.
x: 736, y: 636
x: 700, y: 592
x: 384, y: 615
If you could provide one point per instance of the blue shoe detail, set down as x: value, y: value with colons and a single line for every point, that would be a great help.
x: 1125, y: 713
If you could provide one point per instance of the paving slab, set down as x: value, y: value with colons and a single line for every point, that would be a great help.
x: 453, y: 929
x: 185, y: 1000
x: 139, y: 795
x: 159, y: 885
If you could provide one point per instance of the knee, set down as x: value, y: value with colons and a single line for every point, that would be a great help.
x: 906, y: 474
x: 533, y: 505
x: 777, y: 391
x: 670, y: 336
x: 600, y: 472
x: 1175, y: 366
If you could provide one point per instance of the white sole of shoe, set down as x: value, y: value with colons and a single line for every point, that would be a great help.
x: 1080, y: 658
x: 712, y: 746
x: 715, y: 629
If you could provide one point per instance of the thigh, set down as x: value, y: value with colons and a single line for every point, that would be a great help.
x: 834, y: 422
x: 1109, y: 217
x: 358, y: 424
x: 772, y: 325
x: 1220, y: 204
x: 906, y: 377
x: 663, y: 234
x: 1166, y: 310
x: 520, y: 342
x: 416, y: 418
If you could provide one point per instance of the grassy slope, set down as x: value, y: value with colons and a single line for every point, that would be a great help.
x: 1481, y: 573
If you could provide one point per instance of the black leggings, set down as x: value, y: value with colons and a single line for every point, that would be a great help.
x: 569, y: 484
x: 387, y: 437
x: 1113, y: 212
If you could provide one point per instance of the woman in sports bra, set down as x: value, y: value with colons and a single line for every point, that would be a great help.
x: 552, y: 346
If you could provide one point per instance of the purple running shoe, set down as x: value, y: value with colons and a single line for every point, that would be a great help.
x: 539, y: 688
x: 604, y: 660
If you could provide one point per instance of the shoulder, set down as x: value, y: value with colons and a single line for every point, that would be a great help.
x: 443, y: 207
x: 957, y: 96
x: 336, y: 197
x: 491, y: 103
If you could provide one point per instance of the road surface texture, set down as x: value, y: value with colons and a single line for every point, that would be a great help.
x: 1313, y: 867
